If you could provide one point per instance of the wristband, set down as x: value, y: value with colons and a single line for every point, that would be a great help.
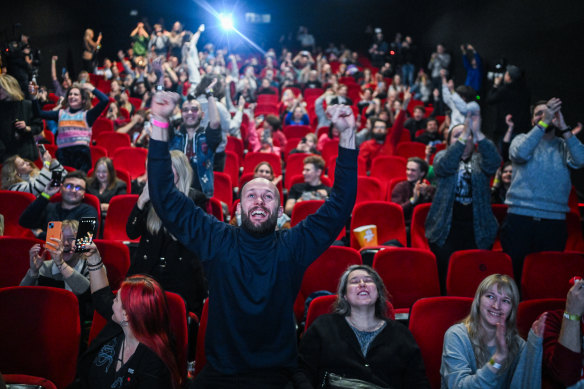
x: 47, y: 164
x: 46, y: 195
x: 159, y: 123
x: 94, y: 264
x: 572, y: 317
x: 543, y: 124
x: 95, y: 268
x: 496, y: 365
x: 209, y: 93
x: 567, y: 129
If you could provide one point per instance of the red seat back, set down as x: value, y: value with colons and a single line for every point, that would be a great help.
x: 223, y: 189
x: 369, y: 189
x: 294, y: 167
x: 117, y: 216
x: 430, y: 318
x: 546, y: 274
x: 467, y: 268
x: 417, y: 227
x: 12, y: 204
x: 43, y: 338
x: 408, y: 274
x: 14, y: 260
x: 116, y: 258
x: 132, y: 159
x: 528, y: 311
x: 296, y: 130
x: 388, y: 217
x: 252, y: 159
x: 324, y: 274
x: 101, y: 125
x: 411, y: 149
x: 113, y: 141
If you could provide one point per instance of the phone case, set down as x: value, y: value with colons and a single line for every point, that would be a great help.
x: 85, y: 233
x: 53, y: 231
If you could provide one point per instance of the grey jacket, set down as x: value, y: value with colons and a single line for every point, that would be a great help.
x: 484, y: 164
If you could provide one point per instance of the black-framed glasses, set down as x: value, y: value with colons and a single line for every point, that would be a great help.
x: 190, y: 109
x: 76, y: 188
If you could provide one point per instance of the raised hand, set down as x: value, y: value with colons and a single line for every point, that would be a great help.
x: 35, y: 259
x: 342, y: 117
x: 55, y: 248
x: 509, y: 120
x: 163, y: 103
x: 552, y: 106
x: 538, y: 325
x: 502, y: 349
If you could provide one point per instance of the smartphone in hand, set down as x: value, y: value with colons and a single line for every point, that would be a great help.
x: 85, y: 234
x: 56, y: 178
x: 53, y: 231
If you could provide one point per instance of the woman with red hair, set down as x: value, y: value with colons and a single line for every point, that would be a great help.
x: 135, y: 348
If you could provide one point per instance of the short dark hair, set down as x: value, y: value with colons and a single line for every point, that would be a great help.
x: 432, y: 120
x: 421, y: 163
x: 77, y: 174
x: 316, y: 160
x: 467, y: 93
x: 274, y: 121
x: 375, y: 120
x: 532, y: 108
x: 421, y: 108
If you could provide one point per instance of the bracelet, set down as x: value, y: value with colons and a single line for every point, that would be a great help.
x: 46, y: 195
x: 94, y: 264
x: 95, y: 268
x: 159, y: 123
x: 496, y: 365
x: 543, y: 124
x: 567, y: 129
x: 572, y: 317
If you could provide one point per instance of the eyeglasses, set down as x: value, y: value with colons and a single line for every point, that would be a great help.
x: 538, y: 113
x: 76, y: 188
x: 365, y: 280
x: 190, y: 109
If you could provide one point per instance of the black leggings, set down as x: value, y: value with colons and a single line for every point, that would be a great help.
x: 78, y: 157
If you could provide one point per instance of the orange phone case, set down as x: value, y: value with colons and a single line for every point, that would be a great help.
x: 53, y: 231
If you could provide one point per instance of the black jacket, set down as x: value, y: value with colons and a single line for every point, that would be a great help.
x: 393, y: 359
x: 179, y: 271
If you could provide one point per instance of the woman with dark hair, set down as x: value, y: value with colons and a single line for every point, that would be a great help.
x: 159, y: 253
x: 357, y: 343
x: 18, y: 126
x: 104, y: 183
x: 501, y: 183
x: 135, y: 349
x: 484, y: 350
x: 265, y: 170
x: 74, y: 121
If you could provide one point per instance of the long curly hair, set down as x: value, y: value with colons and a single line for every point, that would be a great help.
x: 504, y: 284
x: 10, y: 173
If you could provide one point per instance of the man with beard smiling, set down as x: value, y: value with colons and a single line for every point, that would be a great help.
x: 199, y: 144
x: 540, y: 186
x: 254, y: 272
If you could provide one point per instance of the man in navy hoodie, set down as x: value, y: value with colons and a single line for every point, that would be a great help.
x: 254, y: 272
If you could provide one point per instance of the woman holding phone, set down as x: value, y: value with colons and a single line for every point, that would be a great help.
x: 66, y: 269
x: 22, y: 175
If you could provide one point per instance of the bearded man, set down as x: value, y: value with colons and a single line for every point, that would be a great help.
x: 254, y: 272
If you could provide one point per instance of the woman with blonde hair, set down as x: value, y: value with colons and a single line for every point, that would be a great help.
x: 484, y: 350
x: 159, y: 253
x: 22, y: 175
x: 18, y: 126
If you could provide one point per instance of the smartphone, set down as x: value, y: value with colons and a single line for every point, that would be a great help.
x: 267, y: 134
x: 57, y: 176
x: 53, y: 231
x: 42, y: 150
x: 85, y: 233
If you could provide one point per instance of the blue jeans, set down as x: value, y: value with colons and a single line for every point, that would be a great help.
x: 407, y: 70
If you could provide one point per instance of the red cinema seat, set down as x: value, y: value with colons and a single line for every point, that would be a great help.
x: 418, y: 226
x: 369, y: 189
x: 12, y: 204
x: 528, y: 311
x: 131, y: 159
x: 468, y: 268
x: 546, y: 274
x: 43, y: 339
x: 14, y: 258
x: 411, y: 149
x: 294, y: 167
x: 113, y: 141
x: 252, y: 159
x: 388, y: 217
x: 408, y: 274
x: 116, y: 259
x: 101, y: 125
x: 430, y: 318
x: 117, y: 216
x: 324, y: 274
x: 223, y: 188
x: 296, y: 130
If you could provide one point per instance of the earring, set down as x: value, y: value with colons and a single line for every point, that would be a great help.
x: 124, y: 323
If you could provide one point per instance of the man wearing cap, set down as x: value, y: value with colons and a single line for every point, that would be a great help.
x: 540, y: 187
x: 510, y: 96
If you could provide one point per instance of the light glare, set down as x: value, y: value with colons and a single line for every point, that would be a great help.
x: 226, y: 21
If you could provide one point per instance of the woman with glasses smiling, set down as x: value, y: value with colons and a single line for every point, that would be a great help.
x: 357, y: 344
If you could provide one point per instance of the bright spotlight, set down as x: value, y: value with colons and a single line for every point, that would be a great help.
x: 226, y: 21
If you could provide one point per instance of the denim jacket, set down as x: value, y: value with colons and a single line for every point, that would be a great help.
x: 205, y: 144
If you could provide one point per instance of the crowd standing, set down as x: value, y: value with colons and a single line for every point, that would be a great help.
x: 190, y: 106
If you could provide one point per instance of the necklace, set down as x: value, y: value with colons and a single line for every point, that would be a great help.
x: 121, y: 354
x: 371, y: 328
